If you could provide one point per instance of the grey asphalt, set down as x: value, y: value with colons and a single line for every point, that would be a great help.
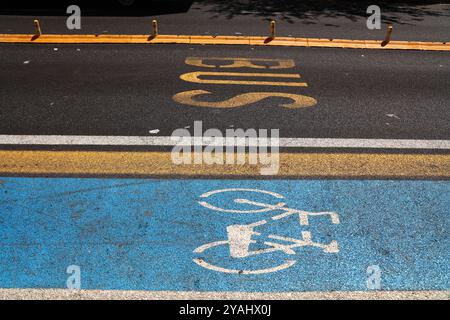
x: 128, y: 90
x: 412, y: 20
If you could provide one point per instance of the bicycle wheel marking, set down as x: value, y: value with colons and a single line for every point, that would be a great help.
x: 206, y: 265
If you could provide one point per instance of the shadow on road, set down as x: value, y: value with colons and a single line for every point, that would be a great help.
x: 309, y: 10
x: 129, y: 8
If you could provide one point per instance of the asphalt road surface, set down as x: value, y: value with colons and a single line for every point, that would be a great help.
x: 130, y: 90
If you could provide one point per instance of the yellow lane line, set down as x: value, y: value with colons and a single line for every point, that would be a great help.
x: 227, y: 40
x: 100, y: 163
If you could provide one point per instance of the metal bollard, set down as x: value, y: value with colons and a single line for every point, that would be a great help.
x: 37, y: 27
x: 154, y: 28
x: 388, y: 35
x: 272, y: 29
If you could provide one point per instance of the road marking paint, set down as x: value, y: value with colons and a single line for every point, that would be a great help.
x: 214, y: 192
x: 241, y: 237
x: 160, y: 163
x: 225, y: 40
x: 75, y: 140
x: 195, y: 78
x: 204, y: 264
x: 55, y: 294
x: 210, y: 193
x: 240, y: 62
x: 187, y: 97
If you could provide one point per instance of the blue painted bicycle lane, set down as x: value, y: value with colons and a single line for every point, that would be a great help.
x: 224, y: 235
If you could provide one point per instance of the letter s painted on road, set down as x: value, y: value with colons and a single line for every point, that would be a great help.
x: 187, y: 97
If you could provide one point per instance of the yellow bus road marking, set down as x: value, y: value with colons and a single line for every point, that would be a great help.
x: 195, y: 77
x: 226, y: 40
x: 363, y: 165
x: 187, y: 97
x: 240, y: 62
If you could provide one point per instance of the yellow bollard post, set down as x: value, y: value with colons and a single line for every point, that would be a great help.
x: 154, y: 28
x: 37, y: 27
x: 272, y: 29
x: 387, y: 38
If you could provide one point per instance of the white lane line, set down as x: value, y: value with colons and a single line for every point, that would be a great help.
x: 51, y: 294
x: 219, y: 141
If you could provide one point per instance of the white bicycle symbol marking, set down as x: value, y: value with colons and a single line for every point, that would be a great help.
x: 240, y: 236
